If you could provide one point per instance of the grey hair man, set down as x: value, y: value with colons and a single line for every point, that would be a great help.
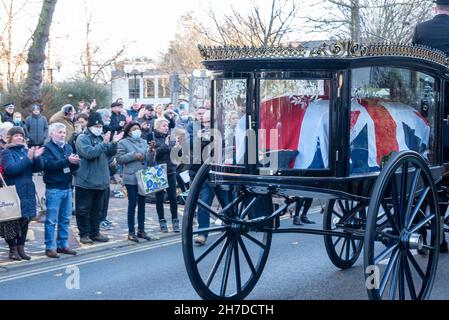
x: 59, y: 166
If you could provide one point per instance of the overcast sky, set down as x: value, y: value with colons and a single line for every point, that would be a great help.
x: 146, y: 26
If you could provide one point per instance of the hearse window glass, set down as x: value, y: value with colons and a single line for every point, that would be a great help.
x: 392, y: 110
x: 230, y: 121
x: 294, y: 124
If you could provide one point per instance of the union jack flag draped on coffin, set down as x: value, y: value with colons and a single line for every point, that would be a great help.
x: 378, y: 128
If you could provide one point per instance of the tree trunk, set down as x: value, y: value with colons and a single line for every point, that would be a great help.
x: 9, y: 50
x: 36, y: 54
x: 355, y: 21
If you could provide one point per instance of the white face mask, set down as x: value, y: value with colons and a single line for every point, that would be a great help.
x: 136, y: 134
x: 96, y: 131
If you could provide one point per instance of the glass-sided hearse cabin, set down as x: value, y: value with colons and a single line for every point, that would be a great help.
x: 364, y: 127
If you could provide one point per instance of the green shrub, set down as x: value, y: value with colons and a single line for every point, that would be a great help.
x: 57, y: 95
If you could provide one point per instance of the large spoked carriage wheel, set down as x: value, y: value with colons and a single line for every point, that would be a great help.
x: 347, y: 217
x: 229, y: 264
x: 403, y: 218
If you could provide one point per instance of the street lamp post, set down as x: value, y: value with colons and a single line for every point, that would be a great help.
x: 134, y: 74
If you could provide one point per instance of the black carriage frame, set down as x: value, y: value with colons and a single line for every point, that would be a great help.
x: 334, y: 63
x: 336, y: 181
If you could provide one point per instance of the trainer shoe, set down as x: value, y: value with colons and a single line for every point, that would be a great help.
x: 200, y: 240
x: 175, y: 223
x: 164, y: 227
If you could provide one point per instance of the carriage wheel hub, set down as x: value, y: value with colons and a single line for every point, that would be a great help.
x: 412, y: 241
x: 238, y: 228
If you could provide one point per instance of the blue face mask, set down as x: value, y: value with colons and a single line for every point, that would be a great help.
x: 17, y: 121
x: 136, y: 134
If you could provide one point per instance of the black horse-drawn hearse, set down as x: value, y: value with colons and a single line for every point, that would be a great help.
x: 364, y: 127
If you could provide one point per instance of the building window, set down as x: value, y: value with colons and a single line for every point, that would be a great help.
x: 149, y: 89
x: 134, y: 88
x: 164, y: 88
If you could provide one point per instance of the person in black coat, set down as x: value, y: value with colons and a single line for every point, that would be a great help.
x: 18, y: 164
x: 118, y: 120
x: 8, y: 115
x: 163, y: 149
x: 434, y: 33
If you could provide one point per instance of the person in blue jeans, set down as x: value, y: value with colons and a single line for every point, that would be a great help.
x: 59, y: 166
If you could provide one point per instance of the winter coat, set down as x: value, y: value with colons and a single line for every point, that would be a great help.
x: 133, y: 113
x: 24, y: 127
x: 433, y: 33
x: 126, y: 155
x: 163, y: 151
x: 7, y: 117
x: 37, y: 126
x: 55, y: 160
x: 69, y: 126
x: 115, y: 123
x: 94, y: 168
x: 18, y: 170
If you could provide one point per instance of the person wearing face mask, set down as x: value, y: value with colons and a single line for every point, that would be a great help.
x: 133, y: 154
x: 59, y: 166
x: 18, y: 122
x: 92, y: 179
x: 67, y: 117
x: 105, y: 224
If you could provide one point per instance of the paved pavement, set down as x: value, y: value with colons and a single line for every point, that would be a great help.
x: 118, y: 233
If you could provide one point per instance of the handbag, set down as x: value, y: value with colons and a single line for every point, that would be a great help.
x: 9, y: 203
x: 152, y: 179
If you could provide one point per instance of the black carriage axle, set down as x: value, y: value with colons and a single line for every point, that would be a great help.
x: 316, y: 232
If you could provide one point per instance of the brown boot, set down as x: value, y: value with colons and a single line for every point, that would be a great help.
x: 13, y: 254
x: 22, y: 254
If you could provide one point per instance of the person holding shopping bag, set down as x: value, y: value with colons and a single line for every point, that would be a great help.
x: 19, y: 164
x: 163, y: 149
x: 133, y: 154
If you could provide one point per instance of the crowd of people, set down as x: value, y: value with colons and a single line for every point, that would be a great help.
x: 80, y: 151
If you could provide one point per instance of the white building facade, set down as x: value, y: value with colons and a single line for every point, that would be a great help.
x: 149, y: 86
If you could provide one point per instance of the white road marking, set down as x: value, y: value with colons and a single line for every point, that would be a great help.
x: 27, y: 274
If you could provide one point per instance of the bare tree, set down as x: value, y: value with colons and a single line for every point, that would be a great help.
x: 370, y: 20
x: 92, y: 67
x: 254, y: 28
x: 182, y: 56
x: 14, y: 61
x: 389, y: 20
x: 36, y: 53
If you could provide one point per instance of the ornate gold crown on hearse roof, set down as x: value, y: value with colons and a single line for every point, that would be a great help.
x: 340, y: 49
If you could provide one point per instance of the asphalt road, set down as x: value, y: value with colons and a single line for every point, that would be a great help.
x: 297, y: 269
